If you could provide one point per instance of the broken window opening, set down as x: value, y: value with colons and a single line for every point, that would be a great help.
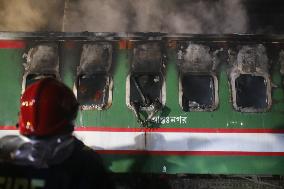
x: 198, y: 92
x: 42, y: 61
x: 145, y: 83
x: 94, y: 81
x: 146, y: 94
x: 251, y: 92
x: 198, y: 84
x: 93, y: 91
x: 145, y: 89
x: 249, y: 78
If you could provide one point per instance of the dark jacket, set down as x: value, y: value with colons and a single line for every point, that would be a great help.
x: 59, y: 163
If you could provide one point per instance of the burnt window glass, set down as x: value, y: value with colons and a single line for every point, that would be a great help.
x: 198, y: 92
x: 93, y: 91
x: 145, y: 89
x: 251, y: 92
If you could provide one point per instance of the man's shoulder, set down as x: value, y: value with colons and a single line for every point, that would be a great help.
x: 84, y: 150
x: 88, y: 163
x: 83, y: 154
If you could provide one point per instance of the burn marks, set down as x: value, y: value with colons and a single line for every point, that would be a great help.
x: 198, y: 84
x: 145, y: 85
x: 249, y: 78
x: 42, y: 60
x: 94, y: 80
x: 198, y: 63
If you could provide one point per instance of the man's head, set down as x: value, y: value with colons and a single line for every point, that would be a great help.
x: 48, y: 108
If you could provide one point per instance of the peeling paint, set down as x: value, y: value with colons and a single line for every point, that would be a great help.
x: 42, y: 61
x: 42, y: 58
x: 197, y: 58
x: 147, y: 57
x: 249, y: 60
x: 95, y: 57
x: 197, y: 61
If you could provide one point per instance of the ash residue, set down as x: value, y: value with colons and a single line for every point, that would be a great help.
x: 147, y: 57
x: 197, y: 58
x: 249, y: 59
x: 43, y: 59
x: 249, y: 78
x: 96, y: 57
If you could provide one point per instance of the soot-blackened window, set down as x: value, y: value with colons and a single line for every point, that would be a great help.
x: 198, y: 92
x: 93, y: 91
x: 42, y: 61
x: 94, y: 80
x: 145, y: 81
x: 251, y: 92
x: 145, y: 86
x: 145, y: 89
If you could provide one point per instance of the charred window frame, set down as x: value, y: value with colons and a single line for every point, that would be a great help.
x: 145, y: 89
x: 198, y: 82
x: 42, y: 60
x: 198, y: 92
x: 145, y: 84
x: 94, y: 83
x: 249, y: 78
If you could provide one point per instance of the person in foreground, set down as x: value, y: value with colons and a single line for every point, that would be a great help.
x: 46, y: 154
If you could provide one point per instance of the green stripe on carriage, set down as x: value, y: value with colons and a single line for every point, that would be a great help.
x: 195, y: 164
x: 10, y: 84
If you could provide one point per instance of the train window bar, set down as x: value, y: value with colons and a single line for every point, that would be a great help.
x: 198, y: 83
x: 145, y: 85
x: 94, y: 81
x: 249, y: 79
x: 42, y: 61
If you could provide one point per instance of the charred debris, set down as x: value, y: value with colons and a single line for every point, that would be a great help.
x: 146, y: 82
x: 199, y: 59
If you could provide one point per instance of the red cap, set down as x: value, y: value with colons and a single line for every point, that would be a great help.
x: 48, y: 107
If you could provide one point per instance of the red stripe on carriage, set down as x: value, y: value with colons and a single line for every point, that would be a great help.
x: 190, y: 153
x: 12, y: 44
x: 182, y: 130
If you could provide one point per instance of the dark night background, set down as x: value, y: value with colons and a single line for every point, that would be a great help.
x: 265, y: 16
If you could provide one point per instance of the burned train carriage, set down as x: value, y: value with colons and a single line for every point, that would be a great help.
x: 161, y: 103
